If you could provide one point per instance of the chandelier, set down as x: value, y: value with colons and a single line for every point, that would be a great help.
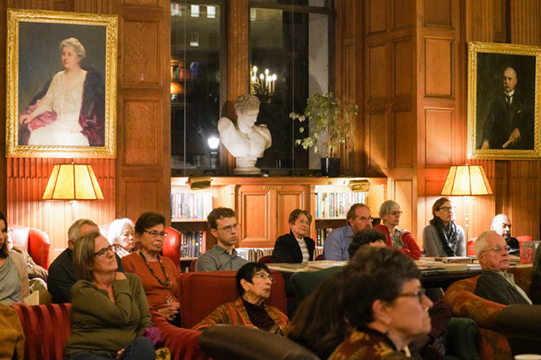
x: 262, y: 84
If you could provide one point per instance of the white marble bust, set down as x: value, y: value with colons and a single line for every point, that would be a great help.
x: 243, y: 139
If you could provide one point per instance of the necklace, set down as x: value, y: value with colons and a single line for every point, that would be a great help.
x: 167, y: 283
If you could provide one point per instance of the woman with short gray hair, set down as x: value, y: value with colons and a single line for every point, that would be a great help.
x: 397, y: 238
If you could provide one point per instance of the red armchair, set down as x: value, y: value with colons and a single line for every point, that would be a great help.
x: 48, y: 327
x: 202, y: 292
x: 35, y: 241
x: 491, y: 317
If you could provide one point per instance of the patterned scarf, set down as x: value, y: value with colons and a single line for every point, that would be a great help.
x: 448, y: 235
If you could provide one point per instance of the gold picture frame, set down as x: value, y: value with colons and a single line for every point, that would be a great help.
x: 66, y: 108
x: 499, y: 126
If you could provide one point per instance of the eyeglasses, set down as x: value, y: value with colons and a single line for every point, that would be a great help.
x: 154, y: 233
x: 264, y: 276
x: 365, y: 219
x: 498, y: 249
x: 447, y: 208
x: 418, y: 294
x: 229, y: 228
x: 103, y: 252
x: 396, y: 212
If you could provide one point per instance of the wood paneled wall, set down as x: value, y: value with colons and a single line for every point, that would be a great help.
x: 139, y: 179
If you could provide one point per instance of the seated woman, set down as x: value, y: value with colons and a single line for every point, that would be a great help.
x: 254, y: 286
x: 13, y: 274
x: 396, y: 238
x: 443, y: 237
x: 295, y: 247
x: 109, y: 310
x: 384, y: 303
x: 122, y: 235
x: 158, y: 274
x: 319, y: 323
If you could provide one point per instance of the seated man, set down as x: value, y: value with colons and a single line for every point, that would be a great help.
x: 223, y: 225
x: 495, y: 284
x: 502, y: 225
x: 336, y: 244
x: 61, y: 272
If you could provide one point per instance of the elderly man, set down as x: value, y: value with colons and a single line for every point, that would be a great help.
x: 61, y: 271
x: 223, y: 225
x: 495, y: 284
x: 502, y: 225
x: 336, y: 244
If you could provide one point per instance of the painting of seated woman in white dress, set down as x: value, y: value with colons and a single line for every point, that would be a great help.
x: 62, y: 93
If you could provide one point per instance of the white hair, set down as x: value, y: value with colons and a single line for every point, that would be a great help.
x: 115, y: 230
x: 481, y: 242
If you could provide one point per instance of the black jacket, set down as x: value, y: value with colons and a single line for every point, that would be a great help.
x: 287, y: 249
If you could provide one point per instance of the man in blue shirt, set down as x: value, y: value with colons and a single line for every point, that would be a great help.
x: 337, y: 242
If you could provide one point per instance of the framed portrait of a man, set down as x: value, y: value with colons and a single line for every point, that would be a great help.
x: 61, y: 84
x: 503, y: 101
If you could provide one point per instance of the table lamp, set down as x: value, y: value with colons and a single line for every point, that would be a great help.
x: 466, y: 180
x: 72, y: 182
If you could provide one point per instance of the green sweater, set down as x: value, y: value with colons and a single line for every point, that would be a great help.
x: 101, y: 326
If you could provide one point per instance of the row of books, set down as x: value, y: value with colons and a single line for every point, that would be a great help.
x: 190, y: 206
x: 321, y: 235
x: 336, y: 204
x: 254, y: 254
x: 193, y: 243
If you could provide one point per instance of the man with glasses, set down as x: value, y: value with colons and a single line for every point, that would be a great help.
x: 502, y: 225
x: 222, y: 257
x: 61, y: 271
x: 495, y: 284
x: 337, y: 242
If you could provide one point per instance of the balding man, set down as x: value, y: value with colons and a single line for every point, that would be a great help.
x: 502, y: 225
x: 495, y: 284
x: 510, y: 121
x: 61, y: 271
x: 337, y: 242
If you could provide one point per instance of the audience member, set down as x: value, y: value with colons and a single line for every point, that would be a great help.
x: 158, y: 274
x: 61, y: 272
x: 443, y: 237
x: 223, y: 225
x: 385, y: 305
x: 371, y: 237
x: 13, y: 274
x: 254, y: 286
x: 37, y: 275
x: 336, y: 244
x: 319, y: 323
x: 430, y: 345
x: 502, y: 225
x: 495, y: 284
x: 121, y: 234
x: 535, y: 286
x: 396, y: 238
x: 109, y: 310
x: 295, y: 247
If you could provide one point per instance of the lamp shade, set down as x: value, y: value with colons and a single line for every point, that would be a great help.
x: 466, y: 180
x: 73, y: 182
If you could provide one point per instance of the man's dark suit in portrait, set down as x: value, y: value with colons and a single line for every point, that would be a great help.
x: 510, y: 121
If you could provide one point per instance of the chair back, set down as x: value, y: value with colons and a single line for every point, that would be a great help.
x: 203, y: 292
x: 224, y: 342
x: 46, y: 330
x: 35, y: 241
x: 171, y: 246
x: 471, y: 242
x: 305, y: 282
x: 193, y: 265
x: 319, y: 257
x: 267, y: 259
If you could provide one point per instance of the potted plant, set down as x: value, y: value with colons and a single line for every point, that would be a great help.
x: 329, y: 125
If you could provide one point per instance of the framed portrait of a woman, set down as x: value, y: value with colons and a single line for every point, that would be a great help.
x: 61, y: 79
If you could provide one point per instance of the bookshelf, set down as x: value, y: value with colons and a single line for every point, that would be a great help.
x: 263, y: 205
